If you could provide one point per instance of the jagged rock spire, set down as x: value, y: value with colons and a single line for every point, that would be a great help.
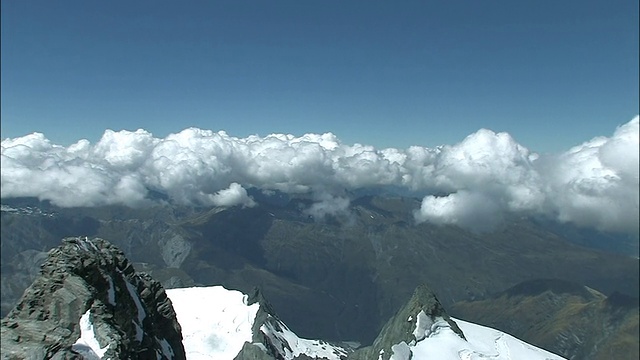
x: 130, y: 313
x: 410, y: 324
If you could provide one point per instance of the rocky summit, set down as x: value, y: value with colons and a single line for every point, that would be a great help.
x: 89, y: 302
x: 423, y: 310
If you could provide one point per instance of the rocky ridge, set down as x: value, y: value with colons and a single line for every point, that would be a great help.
x: 92, y: 279
x: 270, y: 340
x: 423, y: 311
x: 350, y: 274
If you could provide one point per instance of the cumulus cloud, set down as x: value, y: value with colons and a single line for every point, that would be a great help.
x: 474, y: 183
x: 472, y: 210
x: 327, y: 204
x: 483, y: 177
x: 234, y: 195
x: 487, y: 175
x: 596, y: 183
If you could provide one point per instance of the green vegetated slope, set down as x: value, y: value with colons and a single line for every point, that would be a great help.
x: 340, y: 277
x: 569, y: 319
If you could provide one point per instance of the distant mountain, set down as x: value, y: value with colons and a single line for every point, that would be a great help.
x: 89, y: 303
x: 625, y: 244
x: 422, y: 329
x: 569, y: 319
x: 348, y: 270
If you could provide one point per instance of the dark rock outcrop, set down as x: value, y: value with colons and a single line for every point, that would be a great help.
x: 260, y: 347
x: 130, y: 313
x: 269, y: 340
x: 423, y: 307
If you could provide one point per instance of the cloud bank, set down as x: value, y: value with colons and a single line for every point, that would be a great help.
x: 473, y: 183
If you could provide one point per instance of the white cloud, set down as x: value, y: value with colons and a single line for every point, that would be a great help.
x: 477, y: 181
x: 596, y: 183
x: 234, y: 195
x: 484, y: 176
x: 327, y: 204
x: 472, y: 210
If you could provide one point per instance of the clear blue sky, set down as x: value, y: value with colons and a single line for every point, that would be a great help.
x: 389, y: 74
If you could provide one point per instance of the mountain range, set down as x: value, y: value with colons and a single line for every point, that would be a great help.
x: 88, y: 303
x: 348, y: 271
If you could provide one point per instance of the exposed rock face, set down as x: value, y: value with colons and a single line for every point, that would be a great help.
x: 422, y: 311
x: 261, y: 347
x: 131, y: 316
x: 270, y: 340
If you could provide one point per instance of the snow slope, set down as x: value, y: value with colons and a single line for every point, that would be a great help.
x: 438, y: 341
x: 293, y: 346
x: 216, y: 322
x: 498, y: 345
x: 87, y: 345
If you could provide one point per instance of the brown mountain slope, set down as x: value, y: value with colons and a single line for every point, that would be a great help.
x: 571, y: 320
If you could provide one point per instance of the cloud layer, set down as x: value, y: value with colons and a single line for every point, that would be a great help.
x: 473, y: 183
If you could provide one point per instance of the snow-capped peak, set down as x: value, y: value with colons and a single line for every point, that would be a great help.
x: 441, y: 342
x: 218, y: 323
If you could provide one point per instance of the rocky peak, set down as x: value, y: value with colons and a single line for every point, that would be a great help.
x: 418, y: 318
x: 272, y: 339
x: 90, y: 281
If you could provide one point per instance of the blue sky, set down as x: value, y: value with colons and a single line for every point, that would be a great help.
x: 390, y: 74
